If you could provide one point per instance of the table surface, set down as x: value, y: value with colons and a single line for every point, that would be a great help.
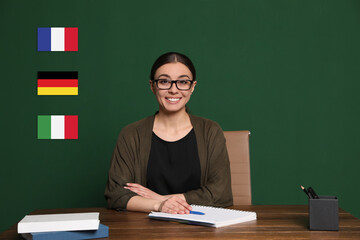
x: 273, y: 222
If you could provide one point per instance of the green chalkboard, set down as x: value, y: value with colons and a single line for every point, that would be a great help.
x: 288, y: 71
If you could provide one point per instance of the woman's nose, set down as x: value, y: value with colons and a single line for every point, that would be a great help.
x: 173, y: 88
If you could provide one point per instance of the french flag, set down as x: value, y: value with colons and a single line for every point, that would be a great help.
x: 57, y: 39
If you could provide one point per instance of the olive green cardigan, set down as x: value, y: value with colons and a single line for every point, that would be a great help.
x: 131, y: 155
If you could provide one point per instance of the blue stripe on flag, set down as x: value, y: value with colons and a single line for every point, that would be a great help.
x: 44, y: 39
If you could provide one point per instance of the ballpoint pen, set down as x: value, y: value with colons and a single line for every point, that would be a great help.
x: 197, y: 213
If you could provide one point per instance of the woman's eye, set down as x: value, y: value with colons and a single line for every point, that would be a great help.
x: 183, y: 82
x: 164, y: 81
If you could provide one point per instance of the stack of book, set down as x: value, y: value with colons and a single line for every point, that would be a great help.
x: 69, y: 226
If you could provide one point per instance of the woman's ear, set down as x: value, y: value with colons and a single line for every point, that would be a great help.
x: 152, y: 86
x: 193, y: 86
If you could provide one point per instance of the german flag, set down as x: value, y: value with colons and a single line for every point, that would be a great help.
x: 57, y: 83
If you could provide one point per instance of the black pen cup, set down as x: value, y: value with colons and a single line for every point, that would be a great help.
x: 324, y: 213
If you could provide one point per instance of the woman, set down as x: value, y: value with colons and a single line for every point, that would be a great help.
x: 172, y: 159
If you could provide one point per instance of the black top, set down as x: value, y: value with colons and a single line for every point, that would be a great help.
x: 173, y: 167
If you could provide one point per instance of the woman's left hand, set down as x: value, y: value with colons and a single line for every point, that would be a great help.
x: 144, y: 192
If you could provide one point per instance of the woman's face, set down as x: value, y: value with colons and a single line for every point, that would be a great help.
x: 173, y: 99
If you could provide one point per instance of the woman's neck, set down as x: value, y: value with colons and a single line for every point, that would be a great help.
x: 174, y: 120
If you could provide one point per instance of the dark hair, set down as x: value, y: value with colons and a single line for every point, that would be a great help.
x: 172, y: 57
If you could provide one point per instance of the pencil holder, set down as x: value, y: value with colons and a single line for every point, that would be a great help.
x: 324, y: 213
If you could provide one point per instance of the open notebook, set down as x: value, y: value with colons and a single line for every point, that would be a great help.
x: 213, y: 217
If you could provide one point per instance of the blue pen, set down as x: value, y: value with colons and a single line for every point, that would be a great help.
x: 196, y: 212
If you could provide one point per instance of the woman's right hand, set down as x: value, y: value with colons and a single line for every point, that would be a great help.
x: 174, y: 205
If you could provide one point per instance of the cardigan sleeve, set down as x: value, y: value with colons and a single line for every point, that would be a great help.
x: 121, y: 172
x: 216, y: 190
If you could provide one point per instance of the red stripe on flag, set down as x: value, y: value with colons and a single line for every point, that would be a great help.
x: 71, y: 127
x: 71, y: 39
x: 57, y: 83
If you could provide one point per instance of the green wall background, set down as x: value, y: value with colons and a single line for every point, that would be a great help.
x: 286, y: 70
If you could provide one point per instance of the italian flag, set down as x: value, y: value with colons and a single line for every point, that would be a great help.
x: 57, y: 39
x: 57, y: 127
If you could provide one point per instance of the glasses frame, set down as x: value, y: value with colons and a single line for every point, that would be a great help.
x: 173, y: 81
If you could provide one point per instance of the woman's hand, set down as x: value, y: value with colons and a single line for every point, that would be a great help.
x: 144, y: 192
x: 175, y: 205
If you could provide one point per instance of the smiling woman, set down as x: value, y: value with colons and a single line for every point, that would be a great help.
x: 171, y: 159
x: 173, y: 85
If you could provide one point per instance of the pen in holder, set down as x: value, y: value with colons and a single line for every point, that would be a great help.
x: 324, y: 213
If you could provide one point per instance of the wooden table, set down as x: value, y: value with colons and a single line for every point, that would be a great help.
x: 273, y: 222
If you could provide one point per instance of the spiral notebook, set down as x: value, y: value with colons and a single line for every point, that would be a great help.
x: 213, y: 217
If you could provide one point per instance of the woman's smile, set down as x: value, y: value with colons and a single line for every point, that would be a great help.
x: 173, y: 100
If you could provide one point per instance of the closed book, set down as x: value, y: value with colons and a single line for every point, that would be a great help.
x: 210, y: 216
x: 59, y: 222
x: 102, y: 232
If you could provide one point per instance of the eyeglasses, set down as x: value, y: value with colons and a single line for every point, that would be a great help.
x: 165, y: 84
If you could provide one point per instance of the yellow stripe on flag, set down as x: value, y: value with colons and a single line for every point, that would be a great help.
x: 57, y: 91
